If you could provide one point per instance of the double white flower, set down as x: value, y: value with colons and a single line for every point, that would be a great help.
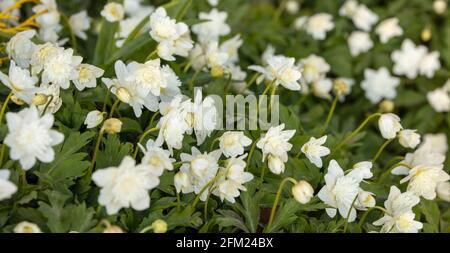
x: 173, y: 37
x: 274, y: 146
x: 399, y: 217
x: 314, y: 150
x: 30, y: 137
x: 7, y: 188
x: 125, y: 186
x: 379, y: 84
x: 21, y: 83
x: 317, y: 25
x: 341, y: 190
x: 232, y: 143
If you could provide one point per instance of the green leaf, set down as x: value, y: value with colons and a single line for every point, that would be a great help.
x: 229, y: 218
x: 432, y: 214
x: 285, y: 215
x: 113, y: 152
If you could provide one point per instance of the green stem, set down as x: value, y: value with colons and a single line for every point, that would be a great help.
x: 348, y: 214
x: 356, y: 131
x: 96, y: 148
x: 153, y: 118
x: 106, y: 99
x: 227, y: 86
x: 209, y: 184
x: 136, y: 150
x: 380, y: 150
x: 146, y: 229
x: 274, y: 90
x: 73, y: 39
x: 113, y: 108
x: 252, y: 80
x: 5, y: 104
x: 191, y: 82
x: 249, y: 158
x: 178, y: 201
x: 277, y: 199
x: 212, y: 143
x: 2, y: 152
x: 363, y: 218
x: 331, y: 113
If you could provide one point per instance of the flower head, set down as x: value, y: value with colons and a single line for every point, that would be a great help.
x: 232, y: 143
x: 379, y: 84
x: 314, y: 150
x: 389, y: 125
x: 7, y: 188
x: 113, y: 12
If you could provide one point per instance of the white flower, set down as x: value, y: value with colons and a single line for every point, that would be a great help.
x: 424, y: 155
x: 280, y: 70
x: 232, y: 143
x: 439, y: 99
x: 439, y: 6
x: 182, y: 182
x: 87, y: 76
x: 113, y: 12
x: 399, y: 217
x: 7, y: 188
x: 340, y: 191
x: 130, y: 92
x: 408, y: 59
x: 21, y: 83
x: 200, y: 168
x: 156, y: 158
x: 379, y: 84
x: 80, y: 22
x: 408, y: 138
x: 275, y: 142
x: 151, y: 77
x: 388, y: 29
x: 61, y: 68
x: 359, y: 42
x: 20, y: 47
x: 389, y: 125
x: 443, y: 191
x: 364, y: 18
x: 348, y: 8
x: 41, y: 55
x: 342, y: 87
x: 302, y: 191
x: 125, y: 186
x: 214, y: 28
x: 318, y: 25
x: 213, y: 2
x: 300, y: 22
x: 429, y: 64
x: 435, y: 143
x: 93, y: 119
x: 313, y: 67
x: 26, y: 227
x: 204, y: 117
x: 365, y: 200
x: 234, y: 176
x: 423, y: 180
x: 30, y: 137
x: 314, y: 150
x: 173, y: 37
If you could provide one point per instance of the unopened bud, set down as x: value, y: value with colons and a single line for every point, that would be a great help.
x: 386, y: 106
x: 17, y: 100
x: 302, y: 191
x: 159, y: 226
x: 112, y: 126
x: 217, y: 71
x: 440, y: 6
x: 39, y: 99
x: 426, y: 34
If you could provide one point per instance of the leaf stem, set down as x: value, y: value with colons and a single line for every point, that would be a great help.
x: 363, y: 218
x: 331, y: 113
x: 380, y: 150
x: 5, y: 104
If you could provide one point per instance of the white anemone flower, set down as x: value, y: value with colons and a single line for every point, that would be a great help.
x: 156, y: 158
x: 232, y: 143
x: 423, y: 180
x: 87, y: 76
x: 314, y: 150
x: 313, y: 67
x: 80, y: 22
x: 7, y: 188
x: 113, y: 12
x: 20, y: 47
x: 30, y: 137
x: 379, y: 84
x: 125, y: 186
x: 388, y: 29
x: 60, y: 69
x: 214, y: 28
x: 389, y: 125
x: 21, y: 83
x: 359, y: 42
x: 408, y: 59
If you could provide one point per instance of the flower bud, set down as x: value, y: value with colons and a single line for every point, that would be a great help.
x: 386, y: 106
x: 123, y: 95
x: 112, y: 126
x: 439, y: 6
x: 409, y: 138
x: 39, y: 99
x: 93, y: 119
x: 275, y: 164
x: 159, y: 226
x: 365, y: 200
x: 292, y: 7
x: 389, y: 125
x: 17, y: 100
x: 426, y: 34
x: 217, y: 71
x: 113, y: 229
x: 340, y: 87
x: 302, y: 191
x: 26, y: 227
